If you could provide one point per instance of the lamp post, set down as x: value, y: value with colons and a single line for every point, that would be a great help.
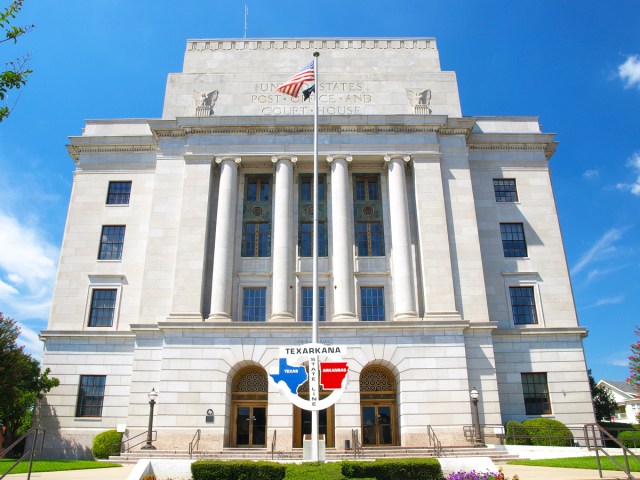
x: 477, y: 440
x: 153, y: 395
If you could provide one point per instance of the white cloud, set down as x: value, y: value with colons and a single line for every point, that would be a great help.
x: 591, y: 173
x: 602, y: 247
x: 629, y: 71
x: 617, y: 361
x: 609, y: 301
x: 32, y: 344
x: 634, y: 164
x: 28, y: 268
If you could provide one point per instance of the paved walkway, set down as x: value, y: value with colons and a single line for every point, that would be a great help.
x: 115, y: 473
x: 524, y: 472
x: 546, y: 473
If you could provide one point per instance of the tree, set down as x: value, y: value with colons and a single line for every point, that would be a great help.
x: 17, y: 72
x: 634, y: 363
x: 603, y: 403
x: 21, y: 382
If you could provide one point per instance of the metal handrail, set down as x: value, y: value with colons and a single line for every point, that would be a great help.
x: 31, y: 452
x: 127, y: 449
x: 194, y: 443
x: 435, y: 442
x: 273, y: 443
x: 599, y: 447
x: 356, y: 445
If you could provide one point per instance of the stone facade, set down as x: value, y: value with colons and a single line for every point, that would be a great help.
x: 435, y: 256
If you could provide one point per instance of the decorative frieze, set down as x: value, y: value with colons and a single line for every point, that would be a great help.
x: 292, y: 44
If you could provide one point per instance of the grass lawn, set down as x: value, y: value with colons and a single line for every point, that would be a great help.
x: 581, y: 462
x: 53, y: 465
x: 314, y: 471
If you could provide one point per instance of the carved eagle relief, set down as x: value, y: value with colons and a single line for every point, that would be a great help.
x: 419, y: 101
x: 204, y: 102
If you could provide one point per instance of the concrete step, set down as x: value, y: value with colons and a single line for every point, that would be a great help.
x: 498, y: 456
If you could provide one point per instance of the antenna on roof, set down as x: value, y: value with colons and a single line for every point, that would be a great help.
x: 246, y: 14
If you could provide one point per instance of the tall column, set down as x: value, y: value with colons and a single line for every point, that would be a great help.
x: 282, y: 246
x: 342, y: 242
x: 223, y: 254
x: 402, y: 264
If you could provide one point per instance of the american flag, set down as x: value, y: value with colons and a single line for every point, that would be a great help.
x: 294, y: 84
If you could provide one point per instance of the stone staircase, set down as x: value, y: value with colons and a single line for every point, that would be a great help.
x: 332, y: 454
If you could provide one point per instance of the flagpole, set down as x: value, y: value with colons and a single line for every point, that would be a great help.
x: 315, y: 309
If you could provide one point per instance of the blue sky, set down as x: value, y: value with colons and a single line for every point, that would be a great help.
x: 576, y: 65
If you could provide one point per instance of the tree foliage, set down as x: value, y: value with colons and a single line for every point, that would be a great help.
x: 604, y: 404
x: 634, y: 363
x: 15, y: 76
x: 21, y: 381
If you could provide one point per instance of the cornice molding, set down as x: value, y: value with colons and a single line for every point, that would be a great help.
x: 308, y: 44
x: 76, y: 150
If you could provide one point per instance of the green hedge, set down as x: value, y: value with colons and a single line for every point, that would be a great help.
x: 237, y: 470
x: 516, y: 434
x: 548, y: 432
x: 414, y: 469
x: 630, y: 438
x: 106, y: 444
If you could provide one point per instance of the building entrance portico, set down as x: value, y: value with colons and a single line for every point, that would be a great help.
x: 249, y: 408
x: 378, y: 407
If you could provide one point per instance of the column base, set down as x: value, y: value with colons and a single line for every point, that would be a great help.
x: 185, y: 317
x: 219, y: 317
x: 442, y: 317
x: 282, y: 317
x: 406, y: 317
x: 345, y: 317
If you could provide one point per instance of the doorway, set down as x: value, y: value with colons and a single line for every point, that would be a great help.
x: 249, y: 408
x: 302, y: 425
x: 378, y: 407
x: 377, y: 425
x: 250, y: 425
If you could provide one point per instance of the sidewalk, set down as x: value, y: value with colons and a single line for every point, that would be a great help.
x: 547, y: 473
x: 115, y: 473
x: 524, y: 472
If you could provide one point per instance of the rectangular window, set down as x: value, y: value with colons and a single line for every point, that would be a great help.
x: 369, y: 239
x: 90, y: 395
x: 256, y: 239
x: 119, y: 193
x: 111, y: 242
x: 372, y: 304
x: 254, y: 305
x: 505, y: 190
x: 103, y: 307
x: 258, y: 188
x: 513, y: 241
x: 536, y: 394
x: 523, y: 305
x: 306, y: 188
x: 306, y: 239
x: 307, y: 304
x: 367, y: 187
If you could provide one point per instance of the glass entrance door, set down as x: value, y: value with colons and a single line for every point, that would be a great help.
x: 302, y: 425
x: 377, y: 425
x: 251, y: 426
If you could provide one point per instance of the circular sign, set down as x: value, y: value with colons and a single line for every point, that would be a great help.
x: 209, y: 412
x: 325, y: 367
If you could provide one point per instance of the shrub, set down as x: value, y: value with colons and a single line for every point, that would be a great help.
x: 414, y: 468
x: 237, y: 470
x: 548, y: 432
x: 106, y: 444
x: 630, y: 438
x: 149, y: 476
x: 516, y: 434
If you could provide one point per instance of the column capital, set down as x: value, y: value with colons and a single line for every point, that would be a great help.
x: 397, y: 156
x: 229, y: 158
x: 277, y: 158
x: 331, y: 158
